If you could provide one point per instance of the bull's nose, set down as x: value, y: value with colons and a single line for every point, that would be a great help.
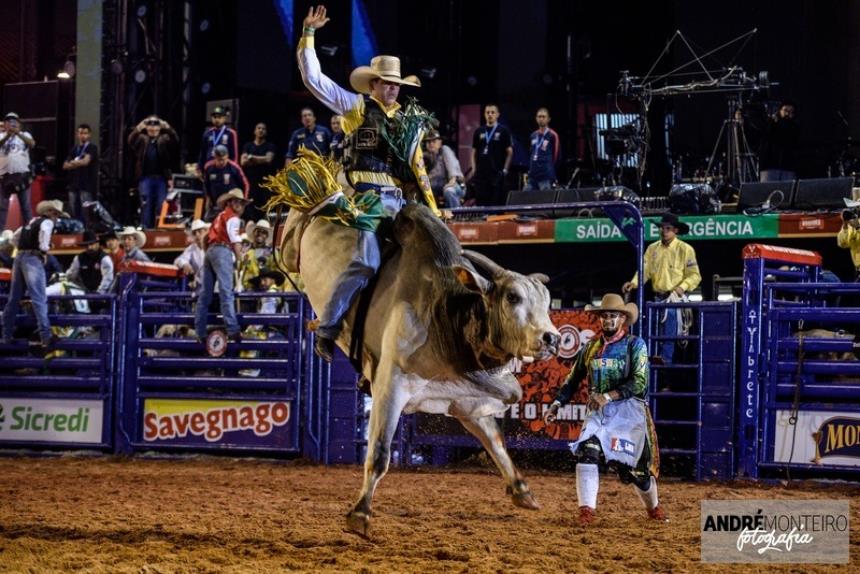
x: 551, y: 339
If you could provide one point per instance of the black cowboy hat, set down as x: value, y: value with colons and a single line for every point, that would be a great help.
x: 90, y: 237
x: 672, y: 219
x: 108, y: 235
x: 272, y: 274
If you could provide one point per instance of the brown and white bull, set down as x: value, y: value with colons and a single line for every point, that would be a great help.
x: 443, y: 325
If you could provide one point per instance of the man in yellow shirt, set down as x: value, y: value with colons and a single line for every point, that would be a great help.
x: 670, y: 265
x: 849, y: 237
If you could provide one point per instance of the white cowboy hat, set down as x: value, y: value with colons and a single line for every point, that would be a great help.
x: 614, y: 302
x: 383, y: 67
x: 234, y: 193
x: 263, y: 224
x: 139, y: 236
x: 199, y: 224
x: 44, y: 206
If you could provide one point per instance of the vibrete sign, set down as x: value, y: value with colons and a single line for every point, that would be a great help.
x: 51, y: 420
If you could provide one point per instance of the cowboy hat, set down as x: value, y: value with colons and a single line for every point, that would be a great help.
x: 89, y: 238
x: 139, y: 236
x: 234, y: 193
x: 264, y: 225
x: 199, y: 224
x: 672, y: 219
x: 432, y: 135
x: 111, y: 234
x: 44, y: 206
x: 384, y: 68
x: 272, y: 274
x: 614, y: 302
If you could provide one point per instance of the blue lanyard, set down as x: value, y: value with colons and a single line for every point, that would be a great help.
x: 217, y: 139
x: 489, y: 138
x: 541, y: 138
x: 83, y: 149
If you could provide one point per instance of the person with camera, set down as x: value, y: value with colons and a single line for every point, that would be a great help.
x: 154, y: 143
x: 849, y: 237
x: 15, y: 146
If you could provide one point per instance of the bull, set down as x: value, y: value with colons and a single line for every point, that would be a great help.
x: 442, y: 326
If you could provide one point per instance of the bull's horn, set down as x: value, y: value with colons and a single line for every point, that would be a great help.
x: 484, y: 262
x: 540, y: 277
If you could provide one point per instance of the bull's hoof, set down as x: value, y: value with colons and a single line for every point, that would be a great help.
x: 525, y: 500
x: 359, y: 523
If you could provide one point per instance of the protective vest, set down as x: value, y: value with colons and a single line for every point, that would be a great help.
x: 90, y: 269
x: 218, y: 231
x: 29, y: 238
x: 367, y: 150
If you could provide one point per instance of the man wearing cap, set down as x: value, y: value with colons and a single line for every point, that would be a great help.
x: 155, y: 144
x: 224, y: 249
x: 618, y: 424
x: 543, y: 156
x: 191, y: 259
x: 370, y: 162
x: 133, y: 241
x: 258, y: 161
x: 443, y: 169
x: 28, y: 271
x: 15, y: 146
x: 92, y: 269
x: 310, y: 135
x: 671, y: 267
x: 219, y: 133
x: 220, y: 175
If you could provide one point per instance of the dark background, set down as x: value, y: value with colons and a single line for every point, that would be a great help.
x: 564, y: 54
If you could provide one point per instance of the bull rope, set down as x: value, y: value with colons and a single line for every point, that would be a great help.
x: 795, y: 405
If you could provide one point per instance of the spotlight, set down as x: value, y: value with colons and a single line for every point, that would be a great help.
x: 140, y: 76
x: 141, y: 11
x: 116, y: 67
x: 63, y: 75
x: 428, y: 73
x: 204, y: 25
x: 472, y: 81
x: 69, y: 68
x: 205, y: 88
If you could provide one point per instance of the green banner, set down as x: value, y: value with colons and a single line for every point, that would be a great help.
x: 702, y: 227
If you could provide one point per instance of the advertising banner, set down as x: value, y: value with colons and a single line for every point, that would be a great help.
x: 820, y: 437
x: 255, y: 424
x: 702, y: 227
x: 51, y: 420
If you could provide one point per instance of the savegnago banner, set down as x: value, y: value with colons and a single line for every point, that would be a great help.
x: 51, y: 420
x: 218, y: 422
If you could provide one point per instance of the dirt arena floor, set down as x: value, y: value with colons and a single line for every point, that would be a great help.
x: 227, y: 515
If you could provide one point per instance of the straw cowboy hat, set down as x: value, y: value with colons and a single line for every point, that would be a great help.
x: 199, y: 224
x: 383, y: 67
x: 614, y: 302
x: 264, y: 225
x: 235, y: 193
x: 44, y: 206
x: 139, y: 236
x: 672, y: 219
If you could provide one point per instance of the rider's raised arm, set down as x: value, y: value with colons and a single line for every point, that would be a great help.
x: 333, y: 96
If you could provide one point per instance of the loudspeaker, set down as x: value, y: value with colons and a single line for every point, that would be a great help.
x: 532, y: 198
x: 567, y: 196
x: 826, y: 193
x: 755, y: 194
x: 587, y: 193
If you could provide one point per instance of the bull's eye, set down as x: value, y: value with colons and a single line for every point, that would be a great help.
x: 513, y: 298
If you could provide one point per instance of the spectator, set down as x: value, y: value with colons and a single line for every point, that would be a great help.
x: 217, y: 134
x: 133, y: 240
x: 92, y: 269
x: 443, y: 169
x: 28, y: 271
x: 82, y: 165
x: 778, y: 151
x: 261, y: 232
x: 315, y: 138
x: 337, y: 135
x: 545, y: 147
x: 154, y: 143
x: 15, y: 145
x: 220, y: 175
x: 492, y: 150
x: 113, y: 248
x: 258, y: 161
x: 223, y: 251
x: 191, y: 260
x: 671, y: 267
x: 7, y: 249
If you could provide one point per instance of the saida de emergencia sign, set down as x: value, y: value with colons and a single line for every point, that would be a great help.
x: 703, y: 227
x: 51, y: 420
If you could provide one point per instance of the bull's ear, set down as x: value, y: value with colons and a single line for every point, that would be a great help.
x: 471, y: 280
x: 540, y: 277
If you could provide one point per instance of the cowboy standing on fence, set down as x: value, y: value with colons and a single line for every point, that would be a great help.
x: 618, y: 424
x: 671, y: 267
x: 382, y: 154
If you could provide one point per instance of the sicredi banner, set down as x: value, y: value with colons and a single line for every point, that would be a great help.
x: 51, y: 420
x: 820, y: 437
x: 218, y: 422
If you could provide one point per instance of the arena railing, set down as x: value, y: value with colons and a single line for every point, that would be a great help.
x: 64, y: 399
